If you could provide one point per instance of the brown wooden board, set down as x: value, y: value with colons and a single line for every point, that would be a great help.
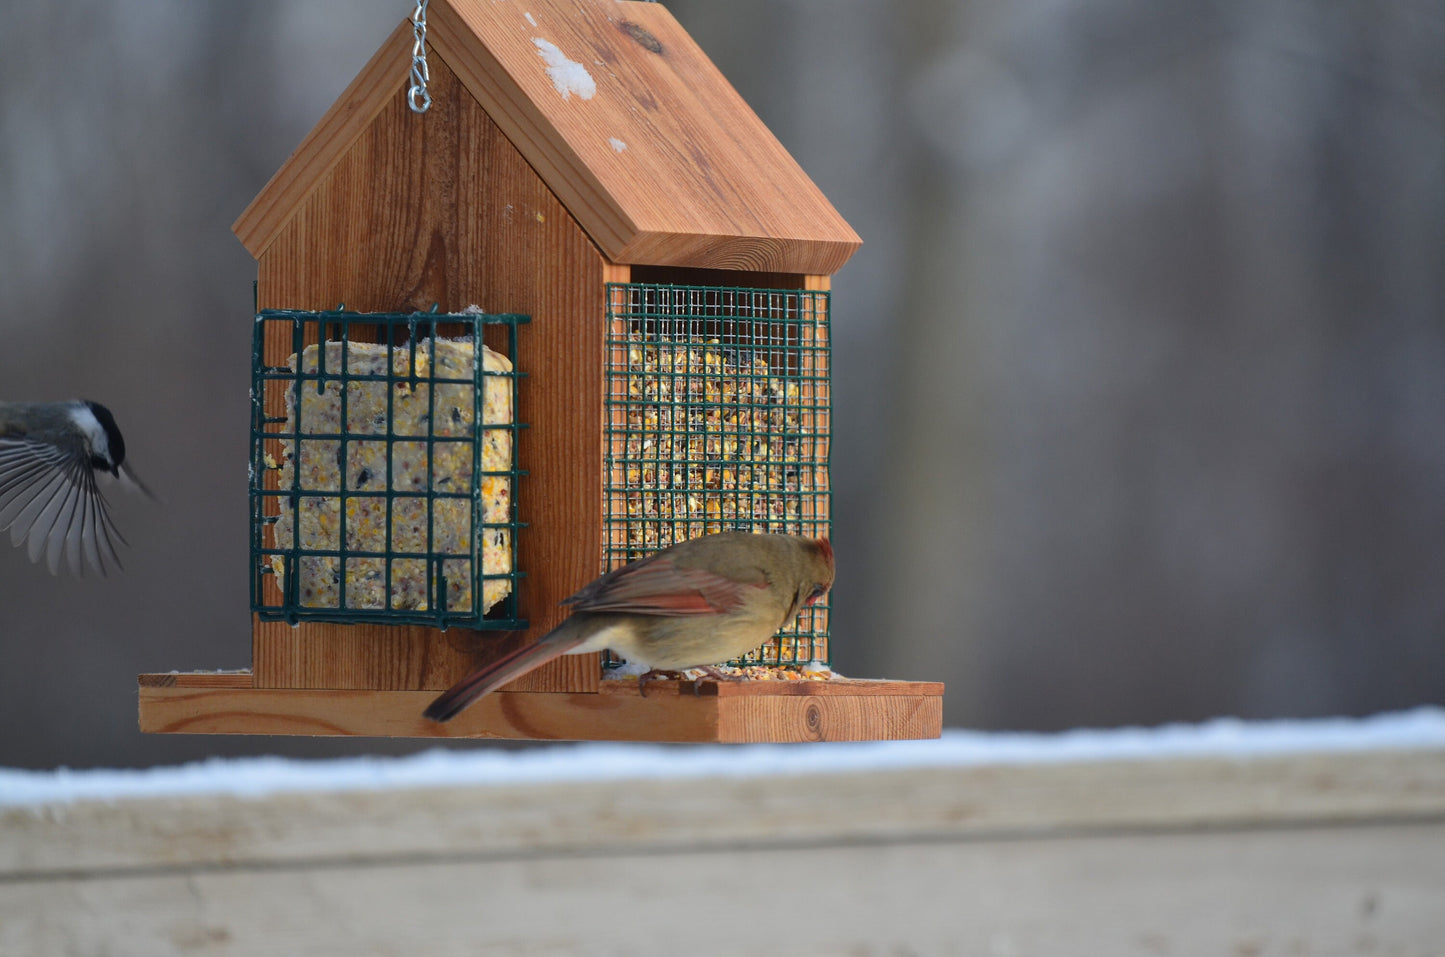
x: 848, y: 710
x: 660, y: 160
x: 441, y: 208
x: 753, y: 688
x: 197, y: 679
x: 1262, y: 855
x: 664, y: 163
x: 372, y: 89
x: 398, y: 658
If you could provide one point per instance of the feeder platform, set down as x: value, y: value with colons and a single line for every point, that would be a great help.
x: 707, y: 710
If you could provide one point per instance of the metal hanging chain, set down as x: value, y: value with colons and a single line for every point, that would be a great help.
x: 417, y: 96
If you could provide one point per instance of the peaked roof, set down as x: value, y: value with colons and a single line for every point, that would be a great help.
x: 621, y: 114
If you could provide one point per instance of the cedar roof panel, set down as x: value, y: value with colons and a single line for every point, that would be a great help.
x: 628, y: 122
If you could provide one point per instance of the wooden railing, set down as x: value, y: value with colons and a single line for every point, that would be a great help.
x: 1287, y: 853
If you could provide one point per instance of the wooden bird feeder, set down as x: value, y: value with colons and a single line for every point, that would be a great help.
x: 582, y: 165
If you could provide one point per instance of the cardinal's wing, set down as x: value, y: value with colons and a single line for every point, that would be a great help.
x: 49, y: 497
x: 657, y: 585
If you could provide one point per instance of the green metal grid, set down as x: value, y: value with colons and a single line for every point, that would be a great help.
x: 453, y: 580
x: 718, y: 417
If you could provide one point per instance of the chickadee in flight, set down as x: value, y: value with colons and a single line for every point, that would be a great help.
x: 50, y: 454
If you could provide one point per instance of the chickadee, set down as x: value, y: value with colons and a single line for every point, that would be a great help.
x: 50, y: 454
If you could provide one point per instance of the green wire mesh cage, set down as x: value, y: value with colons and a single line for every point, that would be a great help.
x: 718, y: 418
x: 383, y: 468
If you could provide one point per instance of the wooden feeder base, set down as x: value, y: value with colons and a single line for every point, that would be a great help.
x: 842, y: 709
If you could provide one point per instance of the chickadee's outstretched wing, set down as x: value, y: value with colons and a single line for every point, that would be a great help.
x: 49, y: 496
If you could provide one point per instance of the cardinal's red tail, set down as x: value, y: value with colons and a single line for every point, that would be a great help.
x: 461, y: 695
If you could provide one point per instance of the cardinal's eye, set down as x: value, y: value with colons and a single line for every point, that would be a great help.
x: 816, y: 593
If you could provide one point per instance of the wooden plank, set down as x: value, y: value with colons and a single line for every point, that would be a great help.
x: 318, y: 655
x: 684, y: 276
x: 671, y: 711
x: 441, y: 208
x: 323, y: 147
x: 797, y: 718
x: 522, y: 715
x: 626, y: 686
x: 197, y: 679
x: 665, y: 163
x: 844, y: 687
x: 711, y: 811
x: 1365, y: 890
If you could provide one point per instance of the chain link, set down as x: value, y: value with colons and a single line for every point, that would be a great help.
x: 417, y: 96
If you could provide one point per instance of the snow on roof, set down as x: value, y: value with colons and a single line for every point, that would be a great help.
x: 1422, y: 728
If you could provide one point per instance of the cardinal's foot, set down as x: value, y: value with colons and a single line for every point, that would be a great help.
x: 717, y: 674
x: 652, y: 675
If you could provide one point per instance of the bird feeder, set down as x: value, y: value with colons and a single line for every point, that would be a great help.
x: 567, y: 305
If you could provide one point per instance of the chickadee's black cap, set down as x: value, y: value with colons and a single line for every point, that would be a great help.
x: 113, y: 437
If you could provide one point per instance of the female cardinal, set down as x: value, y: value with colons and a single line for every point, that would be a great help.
x: 697, y: 603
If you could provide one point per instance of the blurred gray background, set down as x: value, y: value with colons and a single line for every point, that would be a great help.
x: 1140, y: 373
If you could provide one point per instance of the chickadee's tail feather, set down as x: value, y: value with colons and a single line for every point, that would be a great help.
x: 464, y: 693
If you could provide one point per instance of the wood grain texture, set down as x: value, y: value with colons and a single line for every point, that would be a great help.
x: 665, y: 163
x: 318, y: 655
x: 752, y: 688
x: 1329, y: 891
x: 372, y: 89
x: 441, y: 208
x: 688, y: 276
x: 798, y: 718
x: 382, y: 209
x: 1251, y: 856
x: 520, y: 716
x: 197, y: 679
x: 706, y: 811
x: 670, y: 713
